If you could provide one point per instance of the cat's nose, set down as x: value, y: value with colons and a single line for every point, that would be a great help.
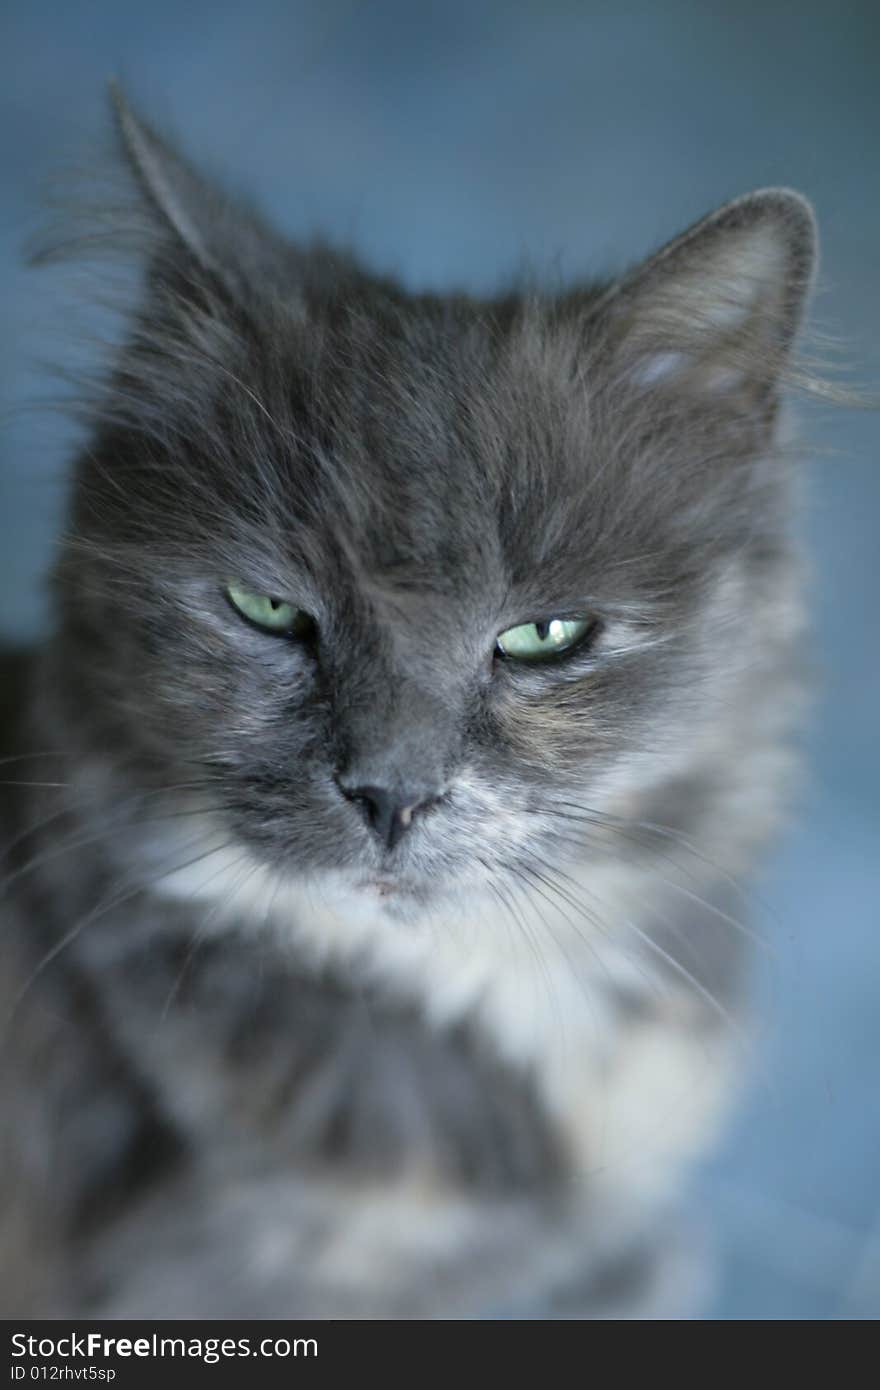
x: 388, y: 812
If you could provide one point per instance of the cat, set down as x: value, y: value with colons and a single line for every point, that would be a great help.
x: 422, y: 684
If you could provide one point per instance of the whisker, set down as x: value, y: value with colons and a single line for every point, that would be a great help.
x: 85, y: 841
x: 94, y: 915
x: 666, y: 832
x: 521, y: 922
x: 578, y: 906
x: 6, y: 783
x: 576, y: 975
x: 202, y: 932
x: 697, y: 985
x: 589, y: 820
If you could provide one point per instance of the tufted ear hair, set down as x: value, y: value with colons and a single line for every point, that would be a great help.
x: 199, y: 234
x: 716, y: 311
x: 209, y: 276
x: 179, y: 197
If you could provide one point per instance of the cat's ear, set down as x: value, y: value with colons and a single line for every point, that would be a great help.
x: 179, y: 197
x: 716, y: 311
x: 199, y: 235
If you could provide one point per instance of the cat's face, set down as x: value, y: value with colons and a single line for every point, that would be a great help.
x: 518, y: 550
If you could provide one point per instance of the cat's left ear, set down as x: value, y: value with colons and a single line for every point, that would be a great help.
x: 715, y: 313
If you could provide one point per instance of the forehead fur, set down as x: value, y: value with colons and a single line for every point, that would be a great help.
x: 283, y: 409
x: 423, y: 442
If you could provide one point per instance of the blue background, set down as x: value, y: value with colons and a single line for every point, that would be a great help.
x: 455, y: 143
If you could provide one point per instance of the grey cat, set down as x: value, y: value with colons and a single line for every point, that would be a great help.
x: 421, y: 686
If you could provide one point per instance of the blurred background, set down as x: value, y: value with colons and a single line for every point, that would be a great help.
x: 454, y: 144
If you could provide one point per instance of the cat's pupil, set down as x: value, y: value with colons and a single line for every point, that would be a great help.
x: 542, y: 629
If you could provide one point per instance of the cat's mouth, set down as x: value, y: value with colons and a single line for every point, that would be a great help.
x: 397, y: 897
x: 384, y: 888
x: 381, y: 887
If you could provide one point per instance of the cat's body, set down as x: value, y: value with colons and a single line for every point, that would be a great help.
x: 264, y: 1056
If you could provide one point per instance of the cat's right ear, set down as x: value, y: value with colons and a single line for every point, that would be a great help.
x: 199, y: 236
x: 176, y: 195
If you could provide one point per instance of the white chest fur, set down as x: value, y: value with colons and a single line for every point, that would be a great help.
x: 632, y: 1094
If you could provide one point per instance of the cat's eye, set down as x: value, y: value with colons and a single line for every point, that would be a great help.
x: 271, y: 614
x: 541, y: 641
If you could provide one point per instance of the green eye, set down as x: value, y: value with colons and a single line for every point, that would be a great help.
x: 540, y: 641
x: 272, y: 614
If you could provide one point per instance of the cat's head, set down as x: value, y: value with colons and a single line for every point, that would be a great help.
x: 426, y: 590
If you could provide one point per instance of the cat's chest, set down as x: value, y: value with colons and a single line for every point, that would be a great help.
x: 512, y: 1060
